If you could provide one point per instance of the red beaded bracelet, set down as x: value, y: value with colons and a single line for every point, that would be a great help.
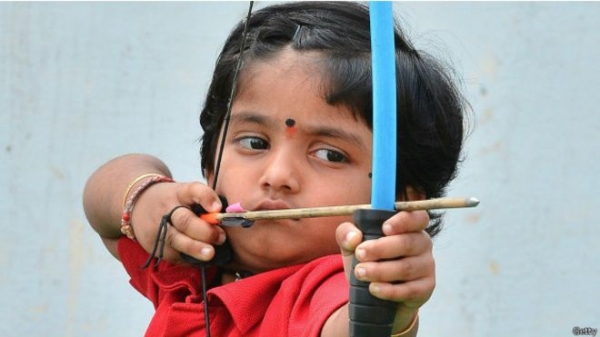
x: 126, y: 227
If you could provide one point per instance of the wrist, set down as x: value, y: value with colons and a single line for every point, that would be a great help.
x: 409, y: 327
x: 134, y: 182
x: 145, y: 182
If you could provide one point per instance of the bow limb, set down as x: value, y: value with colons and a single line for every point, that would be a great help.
x: 383, y: 192
x: 370, y: 316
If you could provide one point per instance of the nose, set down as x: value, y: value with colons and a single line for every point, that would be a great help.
x: 281, y: 172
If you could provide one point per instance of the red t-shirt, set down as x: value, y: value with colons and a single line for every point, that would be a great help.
x: 291, y: 301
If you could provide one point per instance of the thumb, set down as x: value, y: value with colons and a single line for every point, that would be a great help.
x: 348, y: 236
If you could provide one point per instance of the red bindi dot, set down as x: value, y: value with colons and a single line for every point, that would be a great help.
x: 291, y: 127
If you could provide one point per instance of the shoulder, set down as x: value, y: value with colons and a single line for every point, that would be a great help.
x: 314, y: 273
x: 289, y: 301
x: 309, y: 296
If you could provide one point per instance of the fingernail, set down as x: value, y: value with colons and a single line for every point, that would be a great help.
x: 360, y: 272
x: 360, y: 253
x: 215, y: 206
x: 386, y: 228
x: 347, y: 244
x: 349, y: 236
x: 205, y: 251
x: 222, y: 238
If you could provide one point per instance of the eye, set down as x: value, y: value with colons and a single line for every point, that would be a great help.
x: 331, y: 156
x: 253, y: 143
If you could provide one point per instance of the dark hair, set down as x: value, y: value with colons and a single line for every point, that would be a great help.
x: 430, y: 108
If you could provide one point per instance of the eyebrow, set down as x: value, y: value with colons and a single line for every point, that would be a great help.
x: 251, y: 117
x: 335, y: 133
x: 315, y: 130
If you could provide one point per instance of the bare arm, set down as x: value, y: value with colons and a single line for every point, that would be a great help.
x: 103, y: 200
x: 103, y: 193
x: 338, y: 324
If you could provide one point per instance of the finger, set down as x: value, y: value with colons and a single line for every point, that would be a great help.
x: 413, y: 293
x: 348, y: 237
x: 198, y: 193
x: 188, y: 223
x: 406, y: 222
x: 401, y: 270
x: 392, y: 247
x: 184, y: 244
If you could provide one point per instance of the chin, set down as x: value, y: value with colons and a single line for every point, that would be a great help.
x: 269, y: 260
x: 261, y: 263
x: 270, y: 246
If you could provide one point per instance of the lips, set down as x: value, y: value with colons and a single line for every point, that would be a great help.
x: 270, y: 205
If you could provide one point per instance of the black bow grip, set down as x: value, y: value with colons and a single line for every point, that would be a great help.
x: 369, y: 315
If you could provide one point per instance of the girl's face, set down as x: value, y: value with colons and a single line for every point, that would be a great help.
x: 287, y: 148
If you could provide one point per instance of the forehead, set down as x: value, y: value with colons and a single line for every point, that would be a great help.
x: 340, y: 79
x: 290, y: 87
x: 289, y: 83
x: 287, y: 67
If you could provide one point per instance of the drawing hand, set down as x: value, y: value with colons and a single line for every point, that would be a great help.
x: 188, y: 233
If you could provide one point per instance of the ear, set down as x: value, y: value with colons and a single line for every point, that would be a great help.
x: 413, y: 194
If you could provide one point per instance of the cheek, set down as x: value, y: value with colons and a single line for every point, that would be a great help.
x: 358, y: 185
x: 343, y: 192
x: 234, y: 181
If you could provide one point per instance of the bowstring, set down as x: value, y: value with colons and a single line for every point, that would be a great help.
x: 221, y: 147
x: 232, y: 94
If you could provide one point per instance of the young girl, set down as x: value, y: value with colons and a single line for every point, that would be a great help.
x: 299, y: 135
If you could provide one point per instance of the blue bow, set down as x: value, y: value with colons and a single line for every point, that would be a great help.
x: 370, y: 316
x: 383, y: 190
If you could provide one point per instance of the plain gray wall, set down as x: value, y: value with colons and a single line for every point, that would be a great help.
x: 81, y: 83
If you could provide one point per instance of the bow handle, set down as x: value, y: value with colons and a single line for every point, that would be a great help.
x: 369, y: 315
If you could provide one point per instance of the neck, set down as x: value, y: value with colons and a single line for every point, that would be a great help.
x: 229, y: 276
